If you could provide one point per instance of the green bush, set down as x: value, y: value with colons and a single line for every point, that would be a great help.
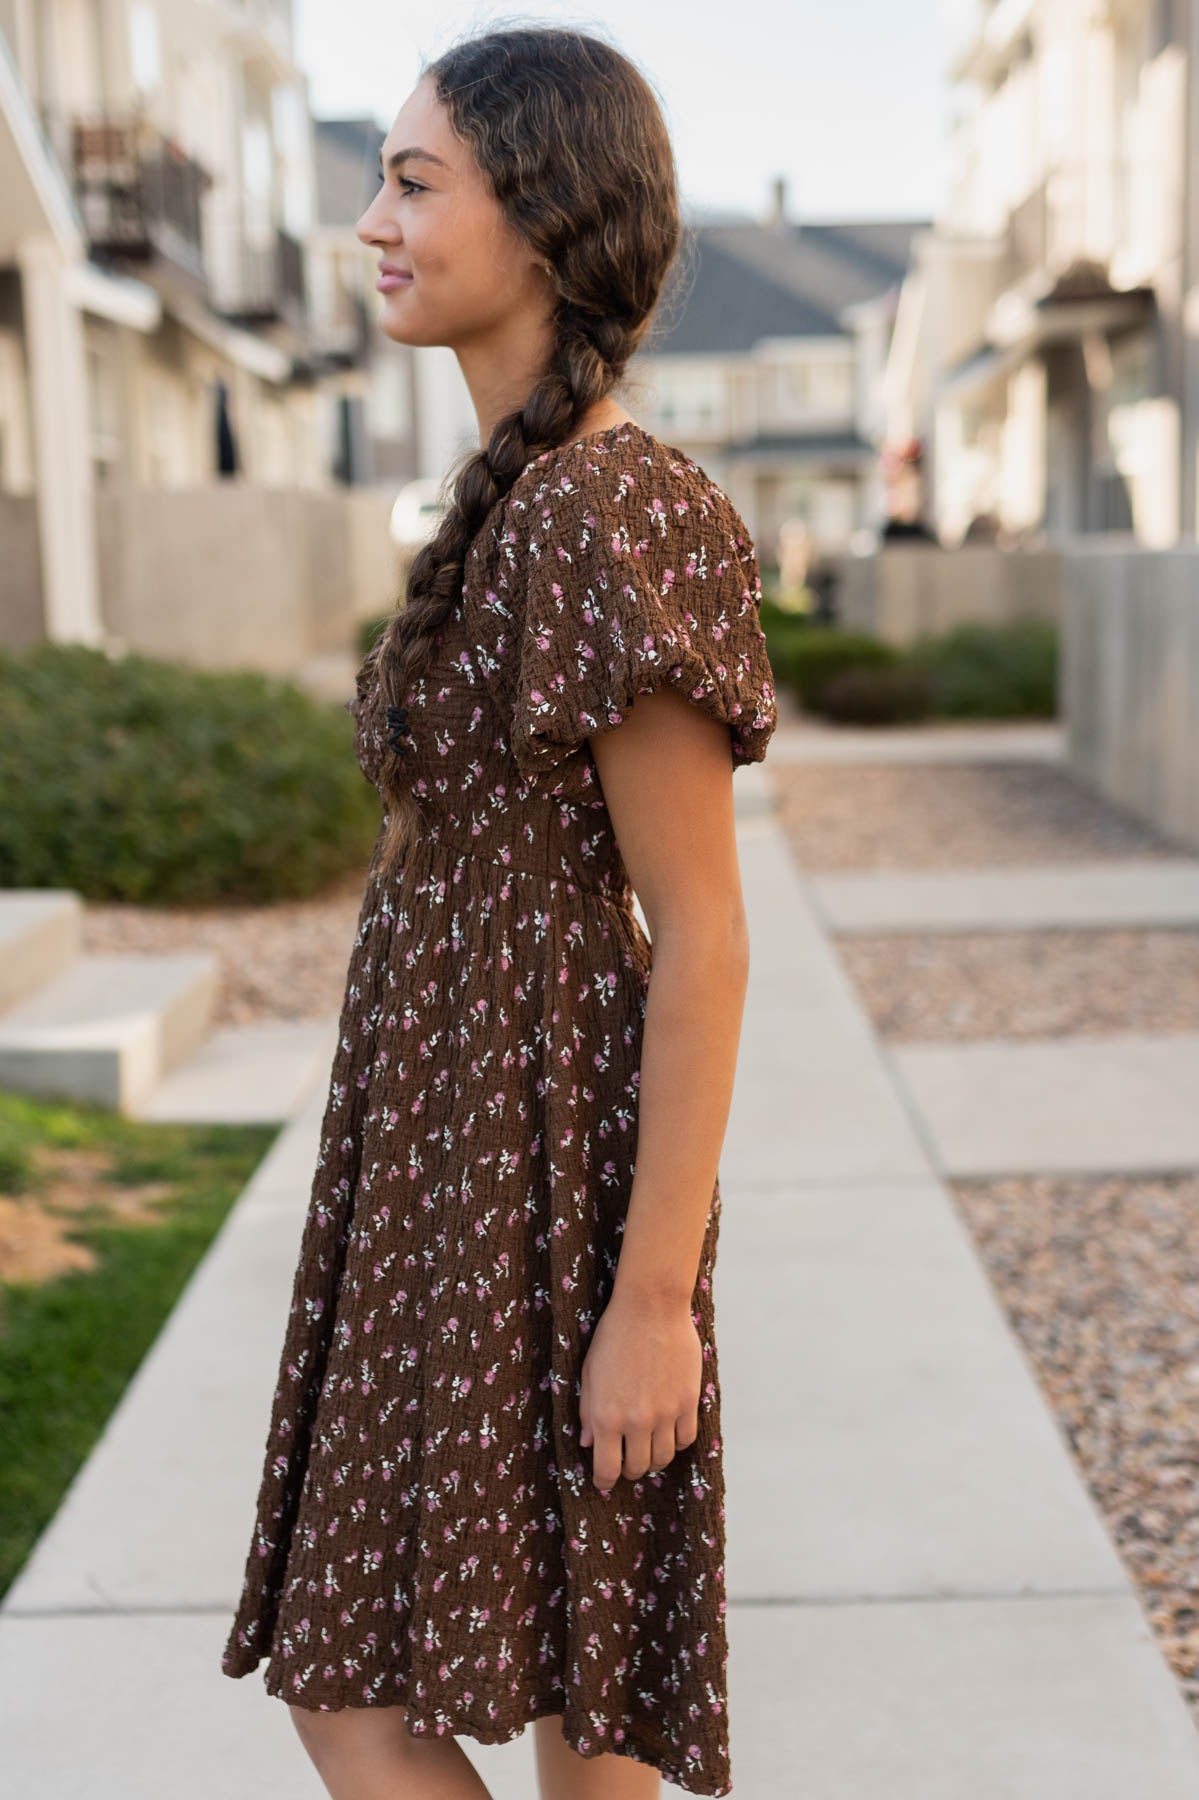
x: 814, y: 654
x: 879, y: 696
x: 981, y: 671
x: 369, y: 630
x: 134, y: 779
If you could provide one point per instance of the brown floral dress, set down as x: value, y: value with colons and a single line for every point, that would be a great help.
x: 428, y: 1531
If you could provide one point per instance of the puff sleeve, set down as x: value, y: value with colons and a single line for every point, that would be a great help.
x: 640, y: 574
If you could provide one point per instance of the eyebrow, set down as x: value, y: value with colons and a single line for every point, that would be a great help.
x: 415, y: 154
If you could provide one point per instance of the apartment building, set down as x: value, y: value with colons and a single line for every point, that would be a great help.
x: 767, y: 367
x: 379, y: 410
x: 1046, y: 341
x: 156, y: 327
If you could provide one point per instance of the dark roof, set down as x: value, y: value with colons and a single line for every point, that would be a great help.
x: 347, y: 168
x: 746, y: 280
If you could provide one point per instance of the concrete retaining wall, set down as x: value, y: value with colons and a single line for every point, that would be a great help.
x: 906, y: 590
x: 1130, y: 679
x: 239, y: 576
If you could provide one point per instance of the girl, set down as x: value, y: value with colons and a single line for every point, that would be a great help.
x: 493, y: 1490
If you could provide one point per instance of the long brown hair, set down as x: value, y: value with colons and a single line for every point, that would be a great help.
x: 571, y: 138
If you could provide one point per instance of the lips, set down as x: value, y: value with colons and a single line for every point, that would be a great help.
x: 391, y: 276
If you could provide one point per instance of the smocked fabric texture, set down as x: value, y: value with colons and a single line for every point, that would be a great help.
x: 428, y: 1531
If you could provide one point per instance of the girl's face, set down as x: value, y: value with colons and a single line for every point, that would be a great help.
x: 451, y: 269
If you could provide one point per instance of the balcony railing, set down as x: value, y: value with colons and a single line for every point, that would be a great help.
x: 263, y: 284
x: 345, y: 337
x: 139, y: 195
x: 1078, y: 210
x: 1028, y: 232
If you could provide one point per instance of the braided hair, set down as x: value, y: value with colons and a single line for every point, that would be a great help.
x: 572, y: 142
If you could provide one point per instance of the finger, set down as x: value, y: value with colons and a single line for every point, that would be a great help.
x: 686, y: 1429
x: 605, y: 1460
x: 662, y: 1447
x: 636, y: 1453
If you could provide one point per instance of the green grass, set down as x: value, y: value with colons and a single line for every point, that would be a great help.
x: 70, y: 1344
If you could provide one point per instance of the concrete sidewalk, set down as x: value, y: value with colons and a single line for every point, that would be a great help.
x: 802, y: 739
x: 1114, y: 894
x: 924, y: 1601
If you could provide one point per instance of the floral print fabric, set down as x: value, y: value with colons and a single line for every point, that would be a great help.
x: 428, y: 1532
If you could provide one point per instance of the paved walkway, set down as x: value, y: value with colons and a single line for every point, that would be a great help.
x: 1146, y: 891
x: 924, y: 1601
x: 806, y: 740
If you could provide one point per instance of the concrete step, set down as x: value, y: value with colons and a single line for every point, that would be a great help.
x: 246, y: 1074
x: 107, y: 1028
x: 41, y: 930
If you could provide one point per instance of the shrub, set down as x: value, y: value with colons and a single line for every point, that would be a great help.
x: 811, y: 658
x: 781, y: 628
x: 369, y: 630
x: 991, y: 671
x: 878, y: 696
x: 137, y: 779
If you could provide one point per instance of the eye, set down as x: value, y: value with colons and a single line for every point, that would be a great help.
x: 415, y: 186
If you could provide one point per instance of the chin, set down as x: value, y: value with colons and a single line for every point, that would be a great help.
x: 401, y: 329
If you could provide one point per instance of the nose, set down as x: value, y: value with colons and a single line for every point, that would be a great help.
x: 373, y: 227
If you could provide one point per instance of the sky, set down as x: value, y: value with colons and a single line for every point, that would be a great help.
x: 846, y: 99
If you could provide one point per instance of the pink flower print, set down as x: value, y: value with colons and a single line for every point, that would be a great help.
x: 667, y: 580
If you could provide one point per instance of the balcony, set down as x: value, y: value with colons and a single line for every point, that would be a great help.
x: 344, y: 340
x: 994, y: 36
x: 1078, y: 211
x: 261, y: 32
x: 1028, y: 233
x: 262, y: 284
x: 139, y: 195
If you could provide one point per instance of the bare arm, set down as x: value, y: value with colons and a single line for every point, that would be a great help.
x: 667, y: 781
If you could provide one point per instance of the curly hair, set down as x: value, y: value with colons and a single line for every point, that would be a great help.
x: 572, y: 142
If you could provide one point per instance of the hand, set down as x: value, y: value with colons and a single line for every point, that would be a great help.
x: 640, y: 1382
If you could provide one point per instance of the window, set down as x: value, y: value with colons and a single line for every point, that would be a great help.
x: 103, y: 415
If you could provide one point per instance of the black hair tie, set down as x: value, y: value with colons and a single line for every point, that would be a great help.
x: 398, y: 728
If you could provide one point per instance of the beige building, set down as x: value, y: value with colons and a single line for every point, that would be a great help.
x: 767, y: 368
x: 1045, y: 345
x: 158, y: 335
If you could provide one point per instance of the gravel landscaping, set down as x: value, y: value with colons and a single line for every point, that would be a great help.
x: 283, y: 961
x: 950, y: 816
x: 953, y: 986
x: 1100, y: 1279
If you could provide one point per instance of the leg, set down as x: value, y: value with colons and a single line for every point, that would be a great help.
x: 562, y: 1774
x: 368, y: 1753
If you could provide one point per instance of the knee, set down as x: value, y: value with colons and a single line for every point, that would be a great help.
x: 349, y: 1731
